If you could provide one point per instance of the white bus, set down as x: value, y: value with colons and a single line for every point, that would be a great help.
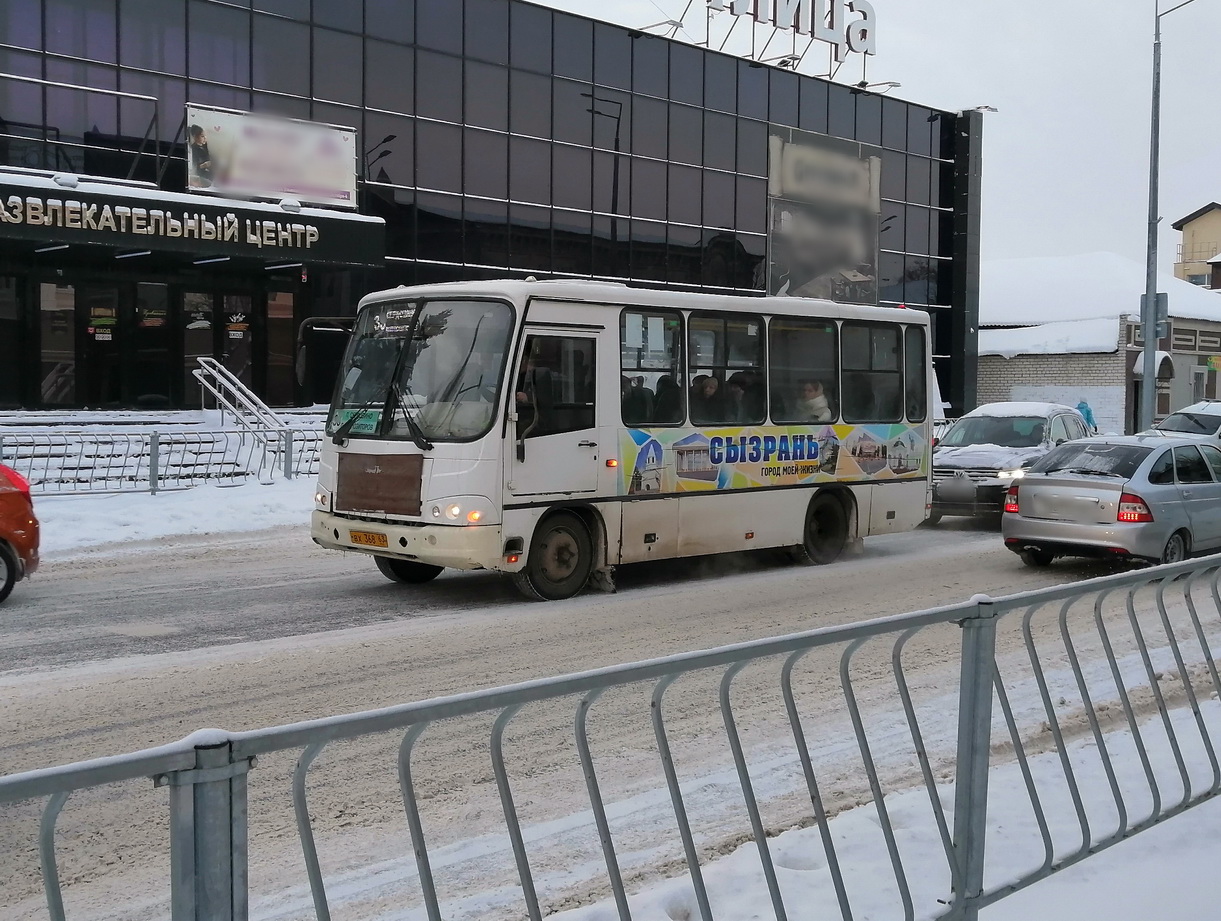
x: 552, y: 430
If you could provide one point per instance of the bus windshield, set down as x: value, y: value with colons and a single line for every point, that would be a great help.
x: 423, y: 372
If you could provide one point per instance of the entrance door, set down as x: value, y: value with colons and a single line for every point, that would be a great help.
x: 198, y: 340
x: 57, y: 335
x: 100, y: 377
x: 556, y: 428
x: 237, y: 346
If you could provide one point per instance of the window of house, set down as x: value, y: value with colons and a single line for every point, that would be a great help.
x: 873, y: 373
x: 803, y: 370
x: 651, y: 367
x: 727, y: 383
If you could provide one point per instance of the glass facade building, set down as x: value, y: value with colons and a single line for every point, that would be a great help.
x: 496, y: 137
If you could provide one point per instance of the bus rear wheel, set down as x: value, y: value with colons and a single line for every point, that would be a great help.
x: 561, y: 559
x: 408, y: 572
x: 826, y: 532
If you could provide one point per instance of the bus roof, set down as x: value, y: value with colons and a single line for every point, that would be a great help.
x: 583, y: 291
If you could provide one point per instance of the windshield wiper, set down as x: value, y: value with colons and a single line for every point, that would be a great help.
x: 417, y: 434
x: 1086, y: 471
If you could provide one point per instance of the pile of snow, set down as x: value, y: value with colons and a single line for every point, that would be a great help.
x: 1073, y: 337
x: 74, y: 523
x: 1085, y: 287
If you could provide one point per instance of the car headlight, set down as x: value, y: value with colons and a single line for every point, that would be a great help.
x: 1011, y: 474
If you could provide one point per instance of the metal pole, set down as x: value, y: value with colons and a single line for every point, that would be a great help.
x: 1148, y: 319
x: 154, y: 461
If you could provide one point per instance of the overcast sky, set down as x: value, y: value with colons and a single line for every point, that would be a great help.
x: 1066, y: 158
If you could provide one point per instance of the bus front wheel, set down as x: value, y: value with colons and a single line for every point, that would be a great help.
x: 826, y: 532
x: 407, y: 571
x: 560, y: 561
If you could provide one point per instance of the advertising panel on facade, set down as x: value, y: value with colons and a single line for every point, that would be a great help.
x: 243, y: 155
x: 824, y: 204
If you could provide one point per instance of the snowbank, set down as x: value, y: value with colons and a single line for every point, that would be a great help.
x: 1074, y: 337
x: 71, y: 523
x: 1085, y: 287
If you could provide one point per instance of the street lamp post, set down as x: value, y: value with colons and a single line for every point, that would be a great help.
x: 1149, y: 311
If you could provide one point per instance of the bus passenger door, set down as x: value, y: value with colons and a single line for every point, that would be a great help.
x: 555, y: 450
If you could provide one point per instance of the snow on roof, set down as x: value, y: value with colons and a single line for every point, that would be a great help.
x: 1085, y: 287
x: 1216, y: 258
x: 1074, y: 337
x: 1008, y: 410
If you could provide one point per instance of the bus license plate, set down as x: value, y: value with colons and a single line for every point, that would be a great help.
x: 368, y: 539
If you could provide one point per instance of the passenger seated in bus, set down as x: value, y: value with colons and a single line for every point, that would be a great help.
x: 637, y: 401
x: 705, y: 400
x: 812, y: 404
x: 736, y: 407
x: 755, y: 397
x: 668, y: 407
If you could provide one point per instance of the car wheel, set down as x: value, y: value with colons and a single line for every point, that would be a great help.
x: 1037, y: 559
x: 8, y: 571
x: 561, y: 559
x: 826, y: 532
x: 1177, y: 548
x: 408, y: 572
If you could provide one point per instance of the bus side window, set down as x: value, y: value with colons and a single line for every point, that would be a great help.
x: 651, y: 368
x: 727, y: 383
x: 917, y: 374
x: 873, y: 372
x: 803, y: 365
x: 554, y: 390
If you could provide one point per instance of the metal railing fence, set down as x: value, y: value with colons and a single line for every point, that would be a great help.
x: 1115, y: 667
x: 110, y: 462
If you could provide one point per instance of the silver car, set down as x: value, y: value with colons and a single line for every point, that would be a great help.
x: 1146, y: 497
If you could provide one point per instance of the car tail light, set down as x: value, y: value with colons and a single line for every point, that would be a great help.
x: 1011, y: 501
x: 15, y: 479
x: 1133, y: 509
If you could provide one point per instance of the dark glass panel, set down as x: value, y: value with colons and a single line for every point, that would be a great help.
x: 891, y: 228
x: 686, y: 134
x: 612, y: 179
x: 530, y: 170
x: 945, y: 190
x: 869, y: 118
x: 136, y: 114
x: 438, y: 157
x: 486, y: 232
x: 398, y: 165
x: 573, y: 110
x: 12, y: 355
x: 83, y: 116
x: 440, y: 86
x: 529, y: 104
x: 920, y: 128
x: 530, y: 238
x: 813, y: 115
x: 719, y: 197
x: 530, y: 33
x: 784, y: 108
x: 934, y: 183
x: 649, y: 128
x: 752, y: 250
x: 296, y: 9
x: 22, y: 63
x: 21, y: 26
x: 721, y: 82
x: 219, y: 43
x: 389, y: 76
x: 573, y: 48
x: 942, y: 234
x: 919, y: 280
x: 612, y: 112
x: 894, y: 175
x: 944, y: 292
x: 487, y: 95
x: 917, y: 240
x: 648, y: 250
x: 752, y: 147
x: 752, y: 90
x: 339, y: 14
x: 610, y: 246
x: 288, y: 106
x: 281, y: 55
x: 919, y: 180
x: 487, y: 164
x: 890, y: 278
x: 841, y: 111
x: 390, y: 19
x: 720, y: 141
x: 686, y: 74
x: 943, y: 136
x: 81, y: 28
x: 612, y: 56
x: 397, y: 208
x: 731, y: 260
x: 152, y: 35
x: 649, y: 189
x: 571, y: 242
x: 438, y: 25
x: 209, y: 94
x: 752, y: 205
x: 894, y: 124
x: 650, y: 65
x: 487, y: 30
x: 336, y: 74
x: 684, y: 255
x: 439, y: 227
x: 572, y: 177
x: 328, y: 114
x: 686, y: 194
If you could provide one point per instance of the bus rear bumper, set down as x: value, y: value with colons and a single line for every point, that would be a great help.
x: 452, y: 546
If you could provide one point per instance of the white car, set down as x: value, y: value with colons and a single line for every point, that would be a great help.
x: 1203, y: 418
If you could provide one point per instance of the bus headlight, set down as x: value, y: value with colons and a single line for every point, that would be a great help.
x: 322, y: 499
x: 452, y: 512
x: 465, y: 510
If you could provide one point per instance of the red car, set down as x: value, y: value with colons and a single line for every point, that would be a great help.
x: 18, y: 530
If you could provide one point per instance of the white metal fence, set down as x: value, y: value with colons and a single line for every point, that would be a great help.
x: 1119, y: 664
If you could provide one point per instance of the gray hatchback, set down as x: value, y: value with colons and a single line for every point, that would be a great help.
x: 1141, y: 497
